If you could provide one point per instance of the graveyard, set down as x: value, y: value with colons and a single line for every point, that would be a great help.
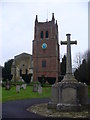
x: 8, y: 95
x: 39, y: 108
x: 66, y: 97
x: 59, y: 105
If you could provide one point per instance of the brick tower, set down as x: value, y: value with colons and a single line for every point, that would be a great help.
x: 46, y: 60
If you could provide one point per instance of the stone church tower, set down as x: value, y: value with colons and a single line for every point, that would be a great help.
x: 46, y: 59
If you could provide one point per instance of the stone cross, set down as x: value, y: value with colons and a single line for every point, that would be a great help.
x: 68, y: 61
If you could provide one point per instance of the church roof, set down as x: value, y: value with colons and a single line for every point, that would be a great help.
x: 23, y: 55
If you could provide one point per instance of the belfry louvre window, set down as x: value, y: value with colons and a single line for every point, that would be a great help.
x: 41, y: 34
x: 46, y: 34
x: 43, y: 63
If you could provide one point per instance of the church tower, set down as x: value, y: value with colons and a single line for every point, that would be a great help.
x: 46, y: 59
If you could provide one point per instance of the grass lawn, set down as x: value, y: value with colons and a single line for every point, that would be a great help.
x: 88, y: 91
x: 24, y: 94
x: 0, y: 94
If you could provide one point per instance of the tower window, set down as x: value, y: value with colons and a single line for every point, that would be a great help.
x: 46, y: 34
x: 43, y: 63
x: 41, y: 34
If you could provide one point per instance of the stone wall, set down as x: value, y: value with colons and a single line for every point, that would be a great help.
x: 22, y: 64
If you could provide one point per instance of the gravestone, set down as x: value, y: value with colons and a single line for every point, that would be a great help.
x: 32, y: 78
x: 35, y: 88
x: 7, y: 86
x: 17, y: 88
x: 23, y: 86
x: 39, y: 89
x: 69, y: 94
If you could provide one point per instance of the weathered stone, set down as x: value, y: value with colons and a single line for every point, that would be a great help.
x: 39, y: 89
x: 23, y: 86
x: 22, y: 64
x: 69, y: 107
x: 42, y: 110
x: 7, y: 86
x: 35, y: 88
x: 70, y: 95
x: 55, y: 92
x: 54, y: 96
x: 68, y: 61
x: 18, y: 88
x: 82, y: 93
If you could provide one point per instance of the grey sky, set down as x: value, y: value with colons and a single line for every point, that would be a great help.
x: 17, y: 23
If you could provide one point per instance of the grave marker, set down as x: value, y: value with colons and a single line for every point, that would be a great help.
x: 39, y: 89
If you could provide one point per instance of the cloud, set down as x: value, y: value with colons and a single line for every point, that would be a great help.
x: 18, y: 24
x: 40, y: 1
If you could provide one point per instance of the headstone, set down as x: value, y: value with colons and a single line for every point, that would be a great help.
x: 69, y: 95
x: 35, y: 88
x: 23, y: 86
x: 7, y: 86
x: 32, y: 78
x: 17, y: 88
x: 22, y: 80
x: 39, y: 89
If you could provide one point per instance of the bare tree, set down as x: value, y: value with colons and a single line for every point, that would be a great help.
x: 78, y: 60
x: 86, y: 55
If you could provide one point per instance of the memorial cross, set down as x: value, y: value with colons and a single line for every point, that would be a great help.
x: 68, y: 60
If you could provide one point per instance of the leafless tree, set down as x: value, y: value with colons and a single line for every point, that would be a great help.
x: 78, y: 60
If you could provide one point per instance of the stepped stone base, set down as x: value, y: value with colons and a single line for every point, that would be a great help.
x: 69, y: 96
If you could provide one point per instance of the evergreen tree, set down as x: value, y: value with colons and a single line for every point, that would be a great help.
x: 82, y: 73
x: 6, y: 71
x: 63, y: 65
x: 63, y: 68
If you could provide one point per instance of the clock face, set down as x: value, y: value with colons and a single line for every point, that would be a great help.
x: 44, y: 46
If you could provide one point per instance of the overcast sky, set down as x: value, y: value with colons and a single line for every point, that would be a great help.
x: 17, y: 24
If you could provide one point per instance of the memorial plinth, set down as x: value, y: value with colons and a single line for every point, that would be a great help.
x: 69, y: 94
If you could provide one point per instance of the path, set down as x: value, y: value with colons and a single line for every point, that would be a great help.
x: 17, y: 109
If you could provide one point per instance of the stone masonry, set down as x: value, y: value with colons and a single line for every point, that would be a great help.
x: 22, y: 64
x: 69, y: 94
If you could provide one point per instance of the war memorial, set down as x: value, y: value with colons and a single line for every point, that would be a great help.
x: 68, y: 95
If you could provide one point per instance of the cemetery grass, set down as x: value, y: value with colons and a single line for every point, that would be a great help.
x: 0, y: 94
x: 11, y: 94
x: 88, y: 91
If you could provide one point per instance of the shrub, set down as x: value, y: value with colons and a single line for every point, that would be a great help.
x: 60, y: 78
x: 42, y: 80
x: 26, y: 78
x: 51, y: 80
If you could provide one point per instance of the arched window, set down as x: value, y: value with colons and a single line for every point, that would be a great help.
x: 46, y: 34
x: 41, y: 34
